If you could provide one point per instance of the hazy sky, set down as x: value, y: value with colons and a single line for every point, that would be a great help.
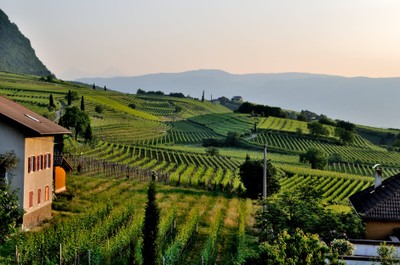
x: 77, y: 38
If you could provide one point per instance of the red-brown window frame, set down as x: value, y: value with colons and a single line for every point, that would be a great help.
x: 30, y: 199
x: 39, y: 195
x: 46, y: 193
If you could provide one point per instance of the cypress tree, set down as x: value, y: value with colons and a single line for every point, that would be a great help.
x: 82, y: 104
x: 69, y: 97
x: 150, y: 227
x: 94, y: 86
x: 105, y: 88
x: 88, y: 133
x: 51, y: 101
x: 202, y: 97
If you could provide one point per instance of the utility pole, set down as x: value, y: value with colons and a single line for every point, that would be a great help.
x: 265, y: 178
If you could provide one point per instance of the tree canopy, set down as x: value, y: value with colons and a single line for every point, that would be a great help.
x: 317, y: 129
x: 251, y: 174
x: 77, y: 119
x: 316, y: 157
x: 10, y: 212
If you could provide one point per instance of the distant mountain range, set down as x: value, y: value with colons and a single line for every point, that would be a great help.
x: 368, y: 101
x: 16, y: 52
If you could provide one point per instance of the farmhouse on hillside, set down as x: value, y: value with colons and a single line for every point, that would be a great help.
x: 379, y: 207
x: 31, y: 137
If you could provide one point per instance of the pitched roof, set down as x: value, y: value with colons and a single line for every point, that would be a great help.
x: 382, y: 203
x: 28, y: 121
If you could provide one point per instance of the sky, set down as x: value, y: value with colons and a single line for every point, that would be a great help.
x: 105, y: 38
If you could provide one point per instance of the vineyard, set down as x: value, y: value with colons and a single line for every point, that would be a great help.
x: 203, y: 218
x: 110, y: 233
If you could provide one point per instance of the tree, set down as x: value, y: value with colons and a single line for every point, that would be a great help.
x: 105, y: 88
x: 99, y: 109
x: 75, y: 118
x: 345, y: 131
x: 295, y: 248
x: 317, y: 129
x: 150, y: 227
x: 94, y: 86
x: 301, y: 117
x: 232, y: 139
x: 88, y: 133
x: 10, y: 211
x: 82, y: 104
x: 202, y: 97
x: 316, y: 157
x: 303, y: 208
x: 212, y: 151
x: 51, y: 101
x: 345, y: 136
x: 251, y: 175
x: 69, y: 98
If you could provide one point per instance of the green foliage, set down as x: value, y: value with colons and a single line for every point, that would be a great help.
x: 251, y: 175
x: 317, y: 129
x: 10, y: 212
x: 150, y: 227
x: 8, y: 160
x: 99, y: 109
x: 212, y: 151
x: 51, y: 101
x: 71, y: 96
x: 82, y: 104
x: 77, y: 119
x: 387, y: 254
x: 232, y: 139
x: 295, y: 248
x: 316, y: 157
x: 346, y: 137
x: 302, y: 208
x: 343, y: 247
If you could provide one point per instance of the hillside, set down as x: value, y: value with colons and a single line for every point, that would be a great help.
x: 16, y: 52
x: 348, y: 98
x: 136, y: 135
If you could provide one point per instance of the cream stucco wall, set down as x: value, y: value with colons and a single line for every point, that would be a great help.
x: 41, y: 178
x: 11, y: 139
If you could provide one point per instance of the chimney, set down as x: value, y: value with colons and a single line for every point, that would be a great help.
x: 377, y: 175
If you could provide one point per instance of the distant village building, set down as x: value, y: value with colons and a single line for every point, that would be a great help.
x: 237, y: 99
x: 31, y: 137
x: 379, y: 207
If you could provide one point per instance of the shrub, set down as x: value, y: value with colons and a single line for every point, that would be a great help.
x: 343, y: 247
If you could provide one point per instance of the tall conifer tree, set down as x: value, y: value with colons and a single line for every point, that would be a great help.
x: 150, y: 227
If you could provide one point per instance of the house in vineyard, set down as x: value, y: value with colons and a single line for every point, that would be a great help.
x: 379, y: 207
x: 31, y: 137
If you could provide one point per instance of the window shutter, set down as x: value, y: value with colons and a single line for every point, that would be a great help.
x: 34, y: 163
x: 29, y: 164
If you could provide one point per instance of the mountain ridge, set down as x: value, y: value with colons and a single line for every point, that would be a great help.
x: 365, y: 100
x: 16, y: 52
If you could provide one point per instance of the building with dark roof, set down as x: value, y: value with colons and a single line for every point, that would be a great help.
x: 31, y: 137
x: 379, y: 206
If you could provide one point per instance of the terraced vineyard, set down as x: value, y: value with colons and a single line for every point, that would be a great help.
x: 188, y: 233
x: 202, y: 219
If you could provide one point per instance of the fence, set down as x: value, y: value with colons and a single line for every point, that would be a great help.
x: 89, y: 165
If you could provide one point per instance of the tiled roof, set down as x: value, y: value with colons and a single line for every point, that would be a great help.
x: 382, y: 203
x: 30, y: 122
